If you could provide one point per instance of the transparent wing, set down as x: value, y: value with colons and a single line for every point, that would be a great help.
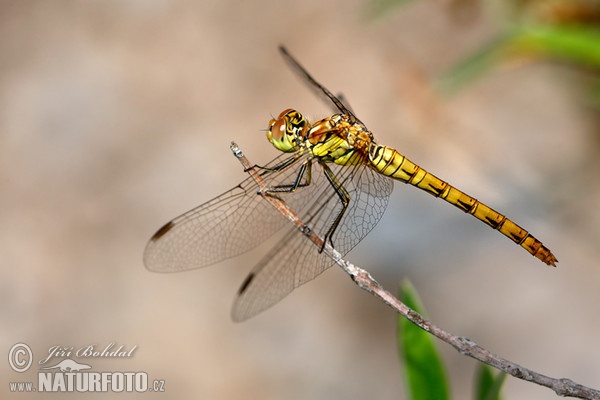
x: 240, y: 219
x: 319, y: 90
x: 224, y: 227
x: 295, y: 260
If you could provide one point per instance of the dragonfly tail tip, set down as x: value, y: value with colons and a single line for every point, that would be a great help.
x: 551, y: 260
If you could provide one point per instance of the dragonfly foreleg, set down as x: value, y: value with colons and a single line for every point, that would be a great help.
x: 278, y: 167
x: 304, y: 172
x: 344, y: 196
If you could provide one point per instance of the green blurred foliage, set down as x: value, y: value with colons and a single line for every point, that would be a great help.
x: 563, y: 31
x: 578, y: 46
x: 424, y: 370
x: 380, y: 8
x: 488, y: 383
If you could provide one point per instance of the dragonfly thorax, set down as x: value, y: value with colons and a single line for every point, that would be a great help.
x: 287, y: 132
x: 339, y: 139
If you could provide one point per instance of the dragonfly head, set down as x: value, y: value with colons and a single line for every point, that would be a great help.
x: 288, y: 131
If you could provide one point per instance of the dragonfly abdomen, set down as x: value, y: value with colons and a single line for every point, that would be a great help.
x: 390, y: 162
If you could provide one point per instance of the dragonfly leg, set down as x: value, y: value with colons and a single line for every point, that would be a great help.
x: 278, y: 167
x: 344, y: 196
x: 304, y: 172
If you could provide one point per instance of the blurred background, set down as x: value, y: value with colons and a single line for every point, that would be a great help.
x: 117, y: 116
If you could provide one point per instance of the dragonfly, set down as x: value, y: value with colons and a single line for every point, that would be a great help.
x: 338, y: 180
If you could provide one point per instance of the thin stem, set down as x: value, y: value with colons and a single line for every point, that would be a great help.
x: 562, y: 386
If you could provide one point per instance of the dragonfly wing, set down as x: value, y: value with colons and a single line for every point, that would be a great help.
x: 292, y: 262
x: 224, y: 227
x: 320, y: 90
x: 369, y: 195
x: 295, y: 260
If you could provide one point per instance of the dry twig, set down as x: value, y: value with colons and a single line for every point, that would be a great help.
x: 562, y: 386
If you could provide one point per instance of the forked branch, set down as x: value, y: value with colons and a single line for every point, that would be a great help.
x: 562, y: 386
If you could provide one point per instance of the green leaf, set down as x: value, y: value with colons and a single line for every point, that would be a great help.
x: 576, y: 44
x: 484, y: 380
x: 487, y: 383
x: 424, y: 372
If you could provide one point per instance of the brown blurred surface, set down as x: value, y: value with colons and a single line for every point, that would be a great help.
x: 117, y: 116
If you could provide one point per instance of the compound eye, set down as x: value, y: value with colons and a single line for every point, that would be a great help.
x: 277, y: 127
x: 277, y: 130
x: 287, y: 130
x: 285, y: 113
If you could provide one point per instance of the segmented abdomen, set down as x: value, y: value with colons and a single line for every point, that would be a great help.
x: 390, y: 162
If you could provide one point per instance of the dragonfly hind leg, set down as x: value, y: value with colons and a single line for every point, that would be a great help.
x: 344, y: 196
x: 305, y: 172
